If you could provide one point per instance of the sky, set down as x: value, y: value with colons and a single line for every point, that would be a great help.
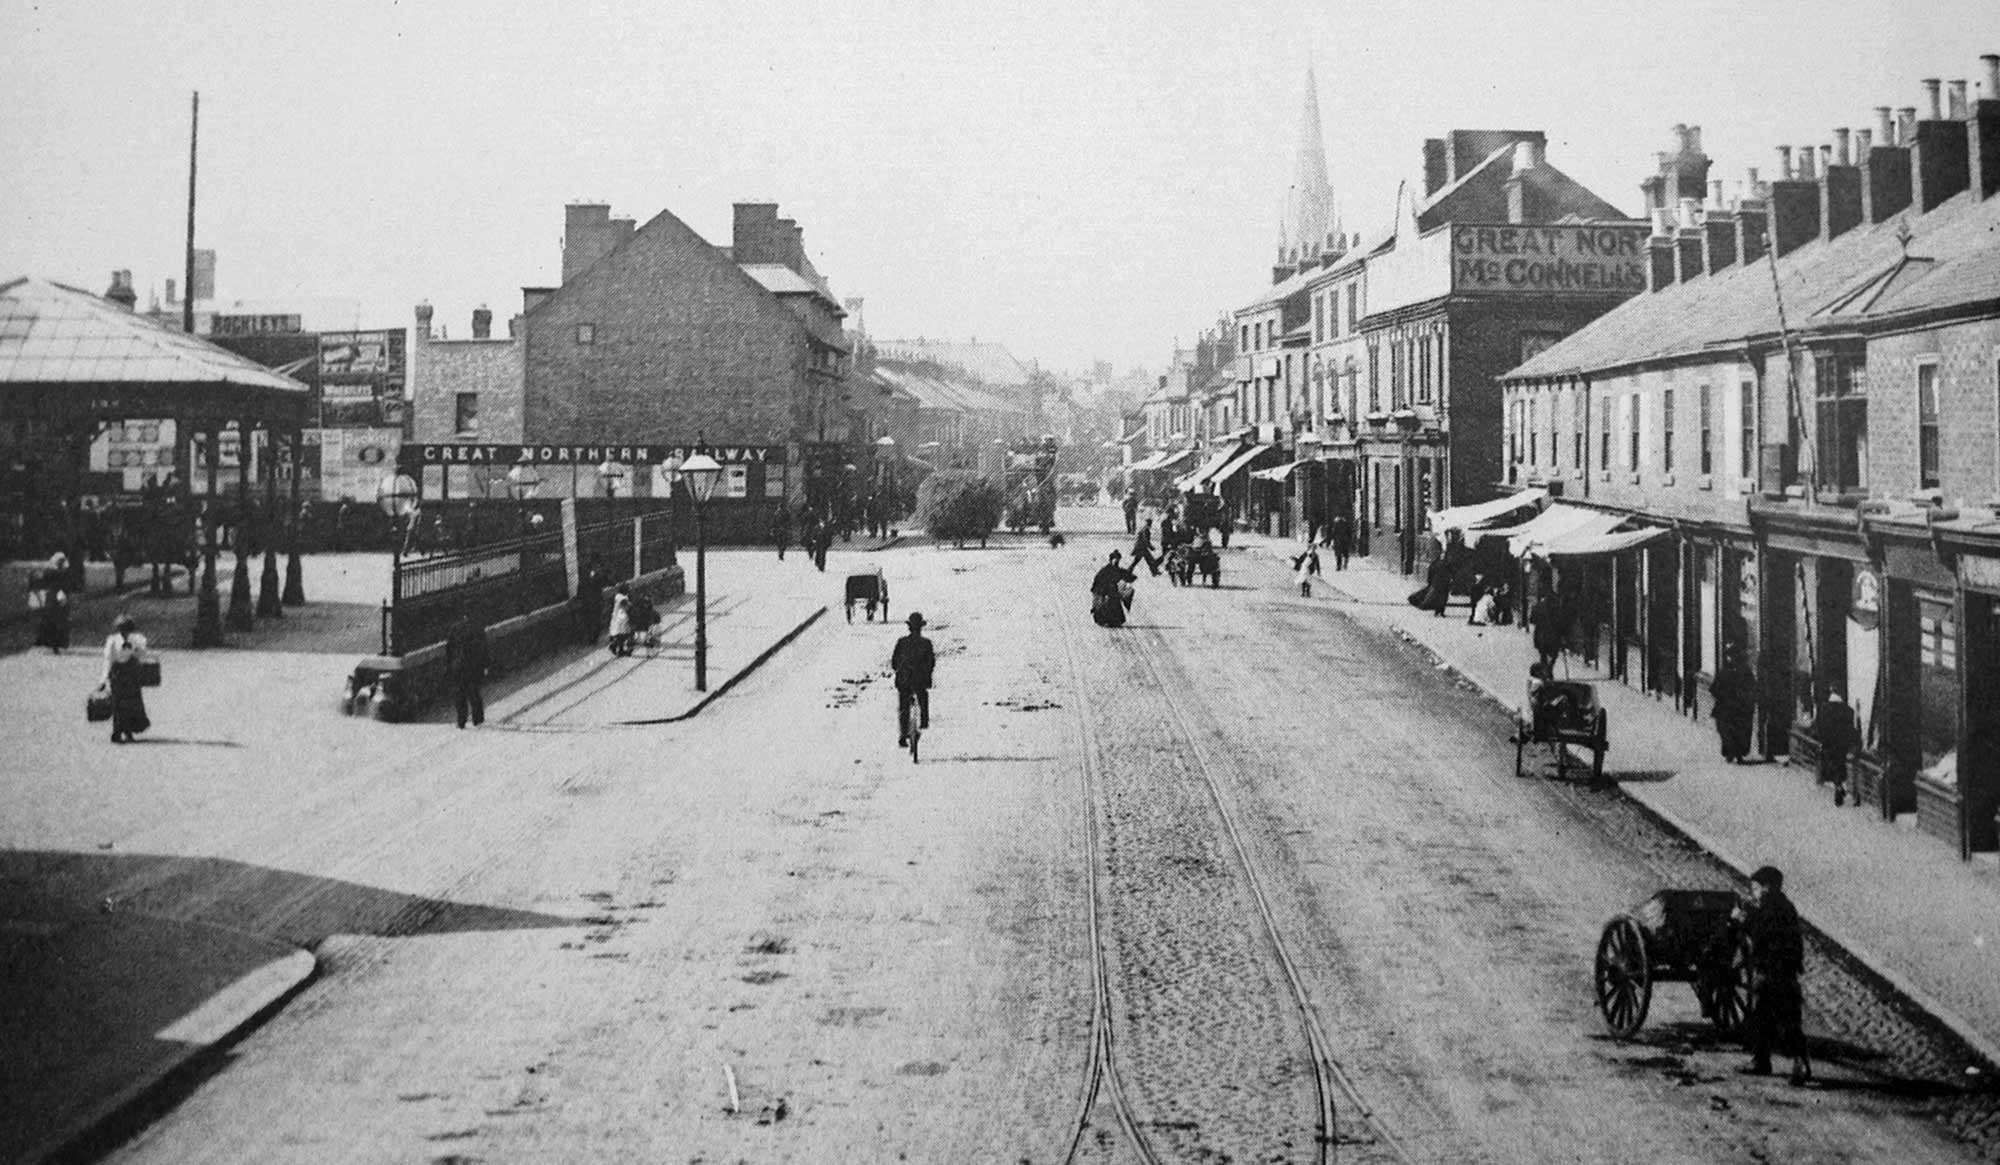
x: 1077, y: 181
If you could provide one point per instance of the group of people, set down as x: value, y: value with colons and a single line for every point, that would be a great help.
x: 815, y: 534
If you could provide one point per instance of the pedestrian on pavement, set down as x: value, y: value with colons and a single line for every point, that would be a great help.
x: 1777, y: 956
x: 123, y: 651
x: 1550, y: 624
x: 1342, y: 537
x: 465, y: 659
x: 822, y: 543
x: 619, y: 632
x: 48, y: 593
x: 1111, y: 592
x: 1142, y: 549
x: 1734, y: 691
x: 914, y: 661
x: 1837, y: 733
x: 1131, y: 504
x: 781, y: 528
x: 590, y: 599
x: 1304, y: 567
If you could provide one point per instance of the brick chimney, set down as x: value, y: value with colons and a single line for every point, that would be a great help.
x: 1792, y: 208
x: 423, y: 321
x: 1718, y: 232
x: 1885, y: 177
x: 1682, y: 172
x: 587, y: 237
x: 1982, y: 132
x: 1660, y: 250
x: 1688, y: 237
x: 1839, y: 191
x: 482, y: 322
x: 753, y: 233
x: 1436, y: 173
x: 121, y: 291
x: 1938, y: 162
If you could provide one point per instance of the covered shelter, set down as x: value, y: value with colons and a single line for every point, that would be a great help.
x: 77, y: 370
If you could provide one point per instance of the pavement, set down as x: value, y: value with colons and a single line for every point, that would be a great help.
x: 1899, y: 901
x: 105, y: 1008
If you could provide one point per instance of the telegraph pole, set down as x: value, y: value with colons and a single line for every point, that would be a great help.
x: 208, y: 603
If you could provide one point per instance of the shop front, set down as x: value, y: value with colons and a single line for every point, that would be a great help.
x: 1963, y: 785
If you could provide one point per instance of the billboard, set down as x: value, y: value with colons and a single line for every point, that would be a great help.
x: 353, y: 461
x: 361, y: 378
x: 1567, y: 258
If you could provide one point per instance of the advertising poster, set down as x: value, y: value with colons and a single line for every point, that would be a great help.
x: 361, y: 378
x: 353, y: 462
x: 136, y: 450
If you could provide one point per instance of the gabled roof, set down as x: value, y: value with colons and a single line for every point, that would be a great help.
x: 1871, y: 274
x: 937, y: 389
x: 56, y: 335
x: 990, y: 363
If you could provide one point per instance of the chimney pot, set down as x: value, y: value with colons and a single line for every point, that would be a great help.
x: 121, y: 291
x: 1694, y: 139
x: 1806, y: 171
x: 1663, y: 222
x: 1784, y: 163
x: 1931, y: 88
x: 1688, y: 210
x: 1956, y: 93
x: 1715, y: 193
x: 1906, y: 125
x: 1863, y: 141
x: 1992, y: 63
x: 1680, y: 139
x: 1751, y: 180
x: 1840, y: 147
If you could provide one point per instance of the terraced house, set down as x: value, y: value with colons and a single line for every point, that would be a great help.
x: 1796, y: 435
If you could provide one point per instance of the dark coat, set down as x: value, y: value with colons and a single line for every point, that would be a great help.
x: 1777, y: 956
x: 914, y: 659
x: 1734, y: 690
x: 465, y: 654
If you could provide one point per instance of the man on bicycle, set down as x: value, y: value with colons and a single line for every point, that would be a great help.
x: 912, y: 661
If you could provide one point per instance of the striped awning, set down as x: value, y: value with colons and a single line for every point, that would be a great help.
x: 1243, y: 458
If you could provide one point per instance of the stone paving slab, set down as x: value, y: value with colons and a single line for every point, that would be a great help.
x: 1900, y: 901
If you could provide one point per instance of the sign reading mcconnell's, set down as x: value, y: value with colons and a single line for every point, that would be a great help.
x: 1566, y: 258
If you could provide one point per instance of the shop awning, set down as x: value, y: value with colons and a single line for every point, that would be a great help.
x: 1555, y: 522
x: 1242, y: 459
x: 1483, y: 514
x: 1149, y: 461
x: 1195, y: 480
x: 1132, y: 436
x: 1588, y: 545
x: 1279, y: 472
x: 1163, y: 461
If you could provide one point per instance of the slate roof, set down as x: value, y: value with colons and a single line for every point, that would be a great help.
x: 56, y: 335
x: 990, y: 363
x: 1865, y: 277
x: 939, y: 392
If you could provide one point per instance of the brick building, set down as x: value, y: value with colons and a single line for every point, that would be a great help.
x: 1809, y: 465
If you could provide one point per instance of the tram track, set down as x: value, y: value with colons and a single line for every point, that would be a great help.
x: 1337, y: 1097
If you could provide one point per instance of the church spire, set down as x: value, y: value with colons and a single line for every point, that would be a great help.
x: 1310, y: 225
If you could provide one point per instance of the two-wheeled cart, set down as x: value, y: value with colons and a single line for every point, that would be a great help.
x: 1561, y: 713
x: 1676, y: 936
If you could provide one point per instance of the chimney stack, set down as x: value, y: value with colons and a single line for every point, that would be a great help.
x: 1884, y: 127
x: 1885, y: 171
x: 1793, y: 208
x: 423, y: 321
x: 1931, y: 87
x: 1938, y: 157
x: 1715, y: 193
x: 482, y: 322
x: 1840, y: 201
x: 1982, y: 133
x: 1784, y: 164
x: 1840, y: 147
x: 1688, y: 241
x: 121, y: 291
x: 1436, y: 173
x: 1660, y: 250
x: 1718, y: 235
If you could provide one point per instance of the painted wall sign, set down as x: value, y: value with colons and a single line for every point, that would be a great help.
x: 456, y: 453
x: 1571, y: 257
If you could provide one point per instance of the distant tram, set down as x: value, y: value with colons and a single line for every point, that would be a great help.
x: 1031, y: 484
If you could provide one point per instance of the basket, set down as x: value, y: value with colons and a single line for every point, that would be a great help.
x: 97, y: 705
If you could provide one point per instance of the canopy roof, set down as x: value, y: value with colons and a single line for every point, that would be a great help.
x: 1248, y: 454
x: 1558, y: 521
x: 1193, y: 481
x: 1160, y: 460
x: 53, y: 336
x: 1485, y: 514
x: 1582, y: 545
x: 1279, y: 472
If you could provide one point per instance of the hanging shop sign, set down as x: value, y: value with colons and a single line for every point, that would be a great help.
x: 1864, y: 600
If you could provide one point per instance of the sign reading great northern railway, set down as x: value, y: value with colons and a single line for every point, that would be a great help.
x: 457, y: 453
x: 1570, y: 257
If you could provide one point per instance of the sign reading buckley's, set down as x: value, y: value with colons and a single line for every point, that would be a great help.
x: 1571, y: 257
x: 415, y: 455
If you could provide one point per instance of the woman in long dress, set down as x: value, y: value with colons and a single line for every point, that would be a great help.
x: 1107, y: 593
x: 1735, y: 691
x: 122, y: 653
x: 51, y: 588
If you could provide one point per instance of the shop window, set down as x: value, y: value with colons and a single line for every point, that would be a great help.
x: 466, y: 414
x: 1927, y: 427
x: 1937, y: 660
x: 1667, y: 431
x: 1707, y: 449
x: 1840, y: 406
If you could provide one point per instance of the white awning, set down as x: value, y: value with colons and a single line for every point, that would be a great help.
x: 1279, y: 472
x: 1483, y: 514
x: 1556, y: 522
x: 1160, y: 461
x: 1242, y: 459
x: 1586, y: 545
x: 1150, y: 461
x: 1194, y: 481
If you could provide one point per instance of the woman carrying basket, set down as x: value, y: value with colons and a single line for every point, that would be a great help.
x: 123, y: 651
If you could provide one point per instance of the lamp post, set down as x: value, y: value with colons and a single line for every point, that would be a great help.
x: 397, y: 495
x: 701, y: 472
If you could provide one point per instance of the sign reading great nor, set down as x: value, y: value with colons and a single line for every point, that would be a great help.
x: 460, y: 453
x: 1570, y: 257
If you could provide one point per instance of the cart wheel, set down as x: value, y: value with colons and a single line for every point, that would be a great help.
x: 1732, y: 994
x: 1624, y: 977
x: 1520, y: 747
x: 1598, y: 745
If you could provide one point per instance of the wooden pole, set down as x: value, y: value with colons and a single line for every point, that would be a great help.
x: 187, y: 292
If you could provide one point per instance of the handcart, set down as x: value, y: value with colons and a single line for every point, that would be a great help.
x: 1676, y: 936
x: 869, y: 589
x: 1561, y: 713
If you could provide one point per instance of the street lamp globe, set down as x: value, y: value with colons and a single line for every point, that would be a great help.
x: 523, y: 481
x: 397, y: 495
x: 701, y: 472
